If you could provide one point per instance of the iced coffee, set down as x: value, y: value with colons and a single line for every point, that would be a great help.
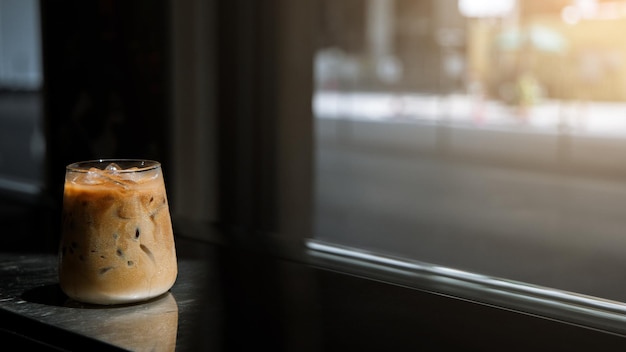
x: 117, y: 244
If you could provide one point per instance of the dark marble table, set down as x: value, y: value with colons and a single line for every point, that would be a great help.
x: 30, y: 290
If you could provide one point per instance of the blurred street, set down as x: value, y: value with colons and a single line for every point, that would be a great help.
x: 473, y: 194
x: 590, y: 118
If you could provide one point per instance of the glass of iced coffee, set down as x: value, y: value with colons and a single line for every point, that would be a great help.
x: 117, y: 244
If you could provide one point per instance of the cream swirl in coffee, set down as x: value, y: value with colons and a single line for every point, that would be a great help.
x: 117, y: 243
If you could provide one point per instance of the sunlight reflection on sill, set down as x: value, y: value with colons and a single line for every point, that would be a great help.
x: 587, y: 311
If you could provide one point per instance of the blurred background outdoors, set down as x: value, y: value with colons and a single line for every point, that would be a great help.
x: 556, y: 65
x: 483, y: 135
x: 22, y: 144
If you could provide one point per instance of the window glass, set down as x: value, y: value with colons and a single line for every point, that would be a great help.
x: 22, y: 142
x: 486, y: 138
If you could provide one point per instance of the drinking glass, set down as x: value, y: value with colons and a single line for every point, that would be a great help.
x: 117, y: 244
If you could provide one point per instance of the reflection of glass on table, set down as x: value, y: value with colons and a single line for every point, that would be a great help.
x: 148, y: 326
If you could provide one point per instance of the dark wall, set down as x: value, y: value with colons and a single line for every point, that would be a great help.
x: 106, y: 85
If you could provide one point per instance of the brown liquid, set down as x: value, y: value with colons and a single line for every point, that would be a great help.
x: 117, y: 243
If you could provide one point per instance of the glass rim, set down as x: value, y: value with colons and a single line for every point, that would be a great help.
x: 138, y: 165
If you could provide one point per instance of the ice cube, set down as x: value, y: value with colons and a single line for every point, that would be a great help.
x: 92, y: 177
x: 131, y: 175
x: 113, y: 174
x: 134, y: 175
x: 112, y: 167
x: 119, y: 179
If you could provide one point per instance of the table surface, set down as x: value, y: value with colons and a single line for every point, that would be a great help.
x: 235, y: 298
